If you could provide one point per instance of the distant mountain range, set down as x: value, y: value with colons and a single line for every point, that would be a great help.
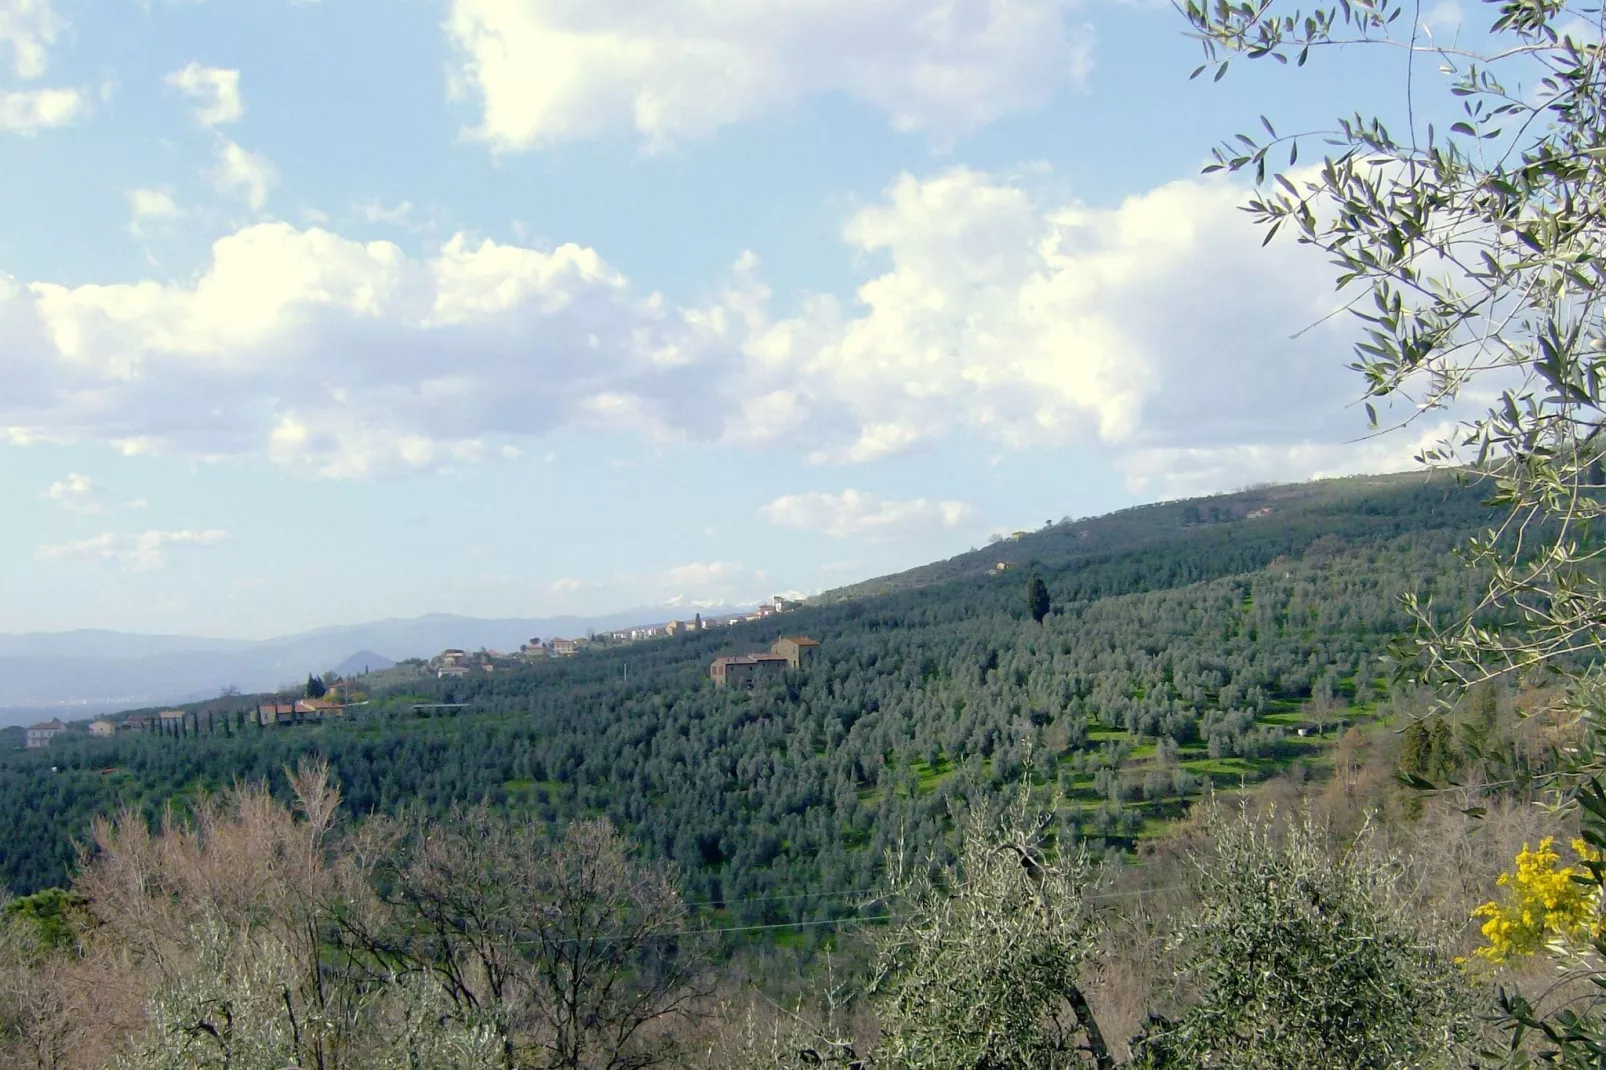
x: 81, y: 673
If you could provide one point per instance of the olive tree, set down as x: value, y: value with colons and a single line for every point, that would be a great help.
x: 983, y: 967
x: 979, y: 965
x: 1467, y: 238
x: 1306, y: 956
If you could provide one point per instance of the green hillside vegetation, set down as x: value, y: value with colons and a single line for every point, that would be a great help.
x: 1168, y: 527
x: 1179, y: 651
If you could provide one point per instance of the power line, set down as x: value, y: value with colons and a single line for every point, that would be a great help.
x: 852, y: 921
x: 721, y: 904
x: 789, y: 925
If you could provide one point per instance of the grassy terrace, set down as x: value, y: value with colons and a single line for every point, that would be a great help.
x: 1223, y: 772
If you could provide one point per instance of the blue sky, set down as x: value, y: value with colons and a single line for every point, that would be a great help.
x: 319, y: 312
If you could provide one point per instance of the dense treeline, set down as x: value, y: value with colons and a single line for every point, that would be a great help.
x: 1176, y: 650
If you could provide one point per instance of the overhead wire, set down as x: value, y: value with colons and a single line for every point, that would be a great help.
x: 721, y: 904
x: 879, y: 918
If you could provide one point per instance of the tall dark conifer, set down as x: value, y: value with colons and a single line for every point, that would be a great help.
x: 1037, y: 603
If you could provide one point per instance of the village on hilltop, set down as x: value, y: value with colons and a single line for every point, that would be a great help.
x: 454, y: 662
x: 331, y: 697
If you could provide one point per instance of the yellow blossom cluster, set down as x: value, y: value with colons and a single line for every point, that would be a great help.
x: 1543, y: 903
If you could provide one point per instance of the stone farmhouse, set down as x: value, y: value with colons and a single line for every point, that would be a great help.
x: 746, y: 670
x: 41, y: 734
x: 301, y: 711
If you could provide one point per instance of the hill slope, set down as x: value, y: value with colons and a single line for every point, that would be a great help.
x: 1179, y: 650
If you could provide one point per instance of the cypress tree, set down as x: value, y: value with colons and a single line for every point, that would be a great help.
x: 1037, y: 603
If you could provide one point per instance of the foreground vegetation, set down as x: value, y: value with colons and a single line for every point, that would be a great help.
x: 1315, y: 923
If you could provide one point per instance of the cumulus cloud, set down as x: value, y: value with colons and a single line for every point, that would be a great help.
x: 29, y: 110
x: 544, y: 71
x: 143, y: 552
x: 75, y: 494
x: 1156, y: 328
x: 216, y: 91
x: 345, y: 357
x: 250, y: 176
x: 855, y: 514
x: 27, y: 30
x: 1029, y: 320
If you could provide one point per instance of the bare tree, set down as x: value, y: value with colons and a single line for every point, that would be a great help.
x: 572, y: 953
x: 34, y: 1025
x: 236, y: 920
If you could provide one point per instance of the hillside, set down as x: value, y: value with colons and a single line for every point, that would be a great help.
x: 1180, y: 649
x: 1281, y: 516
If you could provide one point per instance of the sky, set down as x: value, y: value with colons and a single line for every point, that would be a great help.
x: 325, y: 311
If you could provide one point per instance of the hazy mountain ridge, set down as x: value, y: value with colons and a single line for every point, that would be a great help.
x: 84, y: 672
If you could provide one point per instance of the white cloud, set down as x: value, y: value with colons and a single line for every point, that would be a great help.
x: 551, y: 70
x: 372, y: 210
x: 143, y: 552
x: 28, y: 28
x: 29, y: 110
x: 1443, y: 19
x: 344, y: 357
x: 216, y: 91
x: 680, y: 590
x: 705, y: 585
x: 855, y: 514
x: 1003, y: 315
x: 75, y: 494
x: 701, y: 575
x: 248, y: 175
x: 1178, y: 472
x: 150, y: 206
x: 1032, y: 321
